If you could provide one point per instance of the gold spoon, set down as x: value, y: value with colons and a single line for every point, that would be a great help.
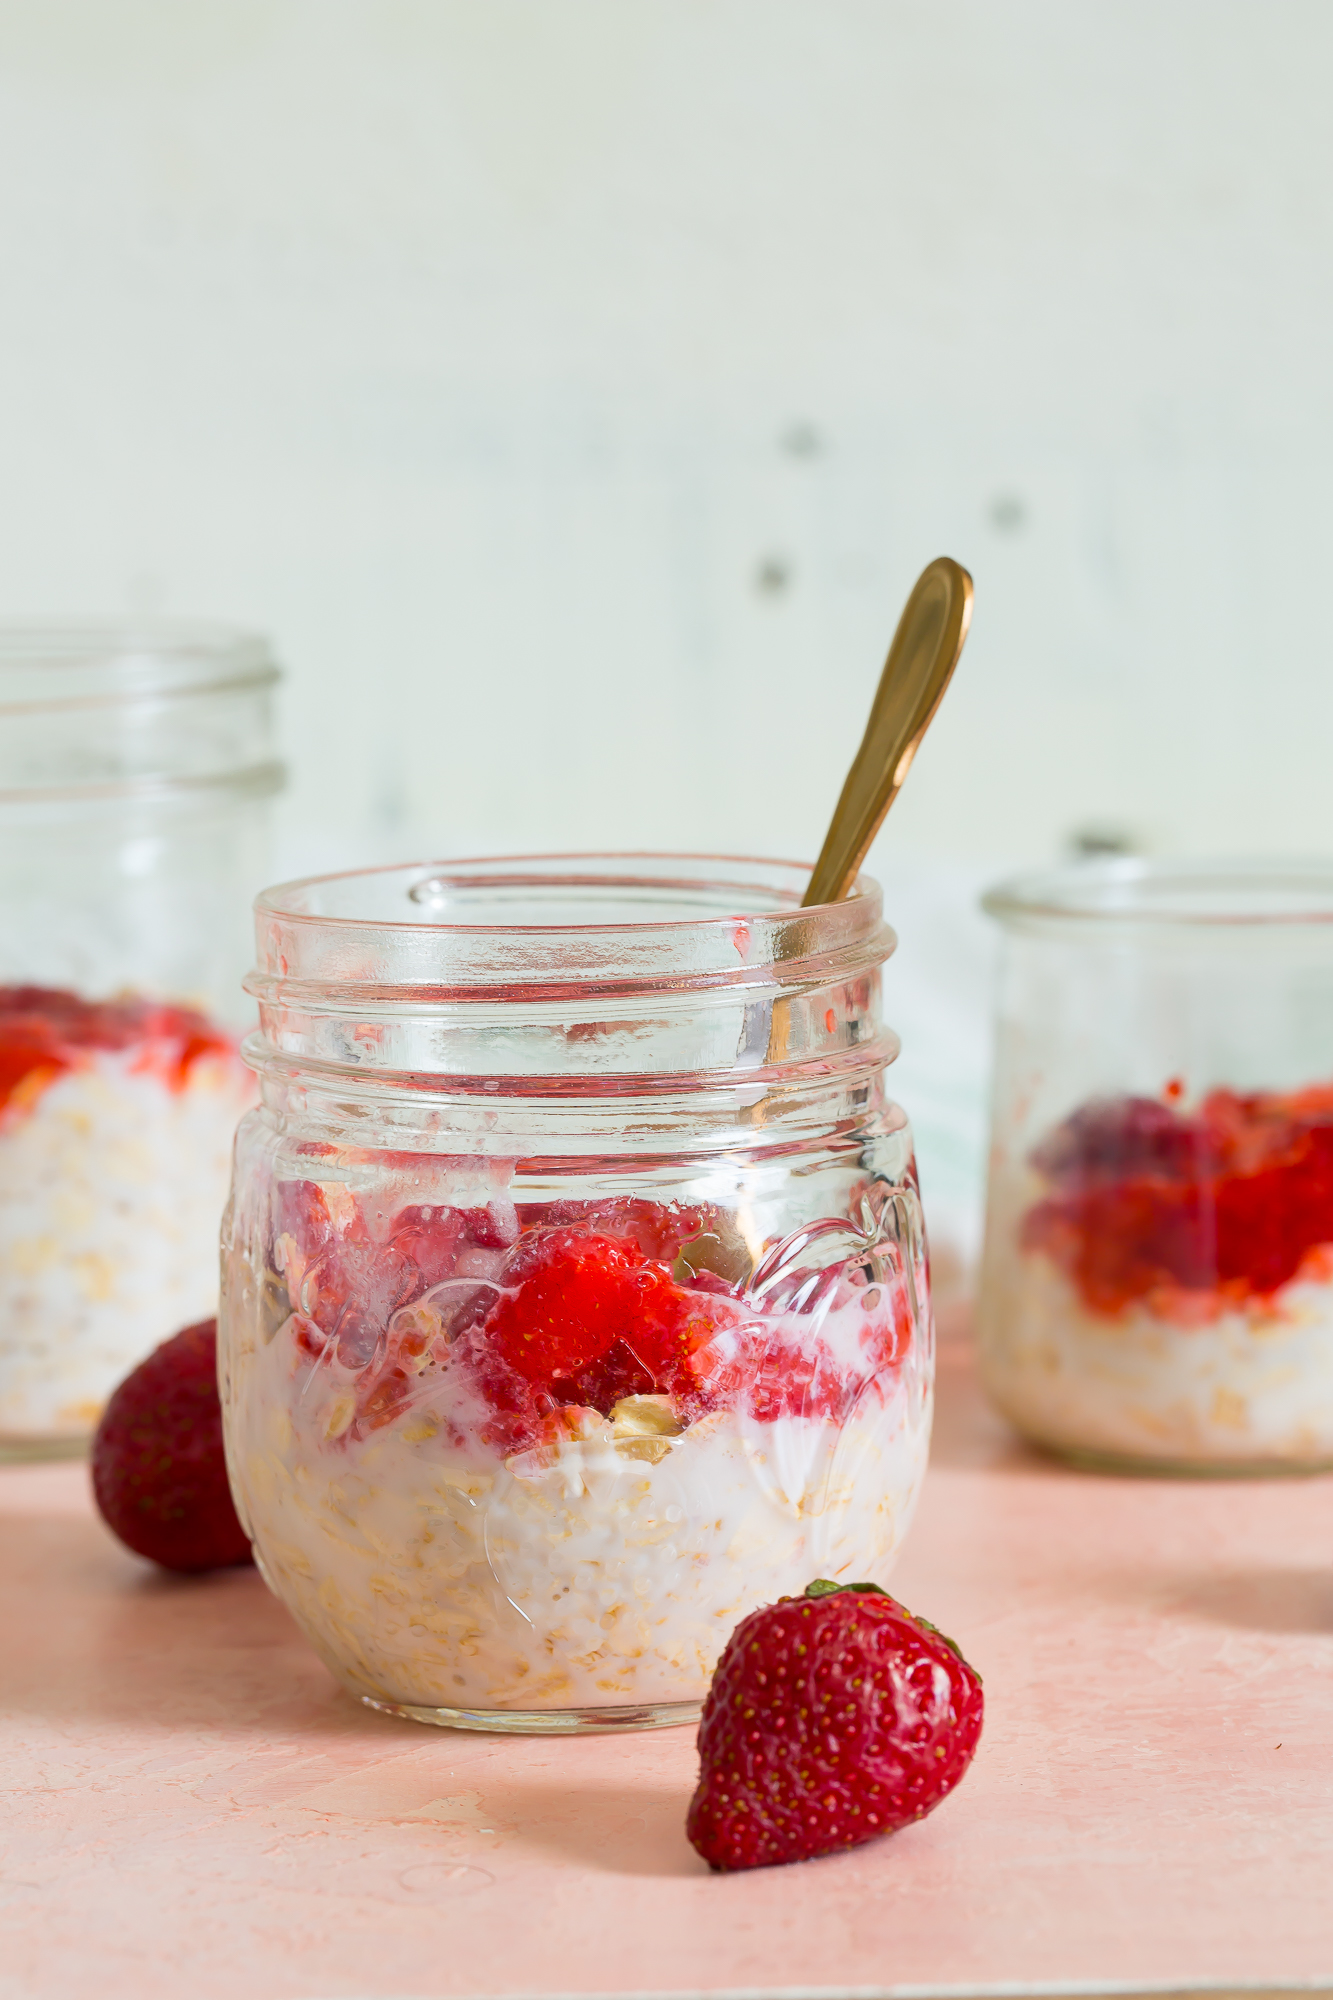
x: 921, y: 660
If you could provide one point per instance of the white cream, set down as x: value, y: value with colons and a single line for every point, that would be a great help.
x: 607, y: 1572
x: 1250, y: 1384
x: 112, y: 1182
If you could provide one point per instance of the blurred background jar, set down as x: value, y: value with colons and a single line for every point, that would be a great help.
x: 1157, y: 1280
x: 135, y: 774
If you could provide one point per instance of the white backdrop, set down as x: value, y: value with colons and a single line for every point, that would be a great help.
x: 572, y: 389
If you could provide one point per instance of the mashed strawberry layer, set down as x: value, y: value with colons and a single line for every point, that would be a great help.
x: 1187, y: 1211
x: 536, y: 1317
x: 46, y: 1031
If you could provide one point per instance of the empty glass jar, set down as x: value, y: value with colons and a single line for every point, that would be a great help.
x: 1157, y: 1283
x: 135, y: 771
x: 574, y: 1295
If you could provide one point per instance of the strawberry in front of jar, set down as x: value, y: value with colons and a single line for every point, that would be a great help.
x: 832, y: 1718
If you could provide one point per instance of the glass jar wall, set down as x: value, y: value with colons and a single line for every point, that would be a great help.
x: 134, y: 775
x: 574, y: 1296
x: 1157, y: 1282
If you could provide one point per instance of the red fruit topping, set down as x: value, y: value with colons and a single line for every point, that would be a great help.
x: 1120, y: 1137
x: 1148, y: 1201
x: 44, y: 1030
x: 571, y: 1305
x: 589, y: 1319
x: 448, y: 1242
x: 431, y: 1239
x: 159, y: 1475
x: 352, y: 1290
x: 703, y: 1237
x: 574, y: 1314
x: 386, y: 1391
x: 752, y: 1360
x: 833, y: 1718
x: 301, y: 1212
x: 655, y: 1229
x: 494, y: 1227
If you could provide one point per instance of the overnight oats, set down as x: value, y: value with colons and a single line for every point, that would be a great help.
x: 519, y: 1432
x: 135, y: 768
x: 1157, y: 1288
x: 116, y: 1123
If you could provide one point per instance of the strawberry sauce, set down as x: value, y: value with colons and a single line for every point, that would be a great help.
x: 1150, y: 1202
x: 45, y: 1031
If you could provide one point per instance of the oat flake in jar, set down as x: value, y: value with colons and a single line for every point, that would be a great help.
x: 574, y: 1293
x: 135, y: 768
x: 1157, y: 1283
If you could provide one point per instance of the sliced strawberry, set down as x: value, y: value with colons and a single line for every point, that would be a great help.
x: 588, y: 1319
x: 573, y: 1301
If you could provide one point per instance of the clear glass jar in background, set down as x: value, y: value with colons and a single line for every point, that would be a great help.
x: 574, y: 1294
x: 1157, y: 1281
x: 135, y: 774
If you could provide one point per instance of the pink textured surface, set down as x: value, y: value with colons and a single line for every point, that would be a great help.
x: 193, y: 1808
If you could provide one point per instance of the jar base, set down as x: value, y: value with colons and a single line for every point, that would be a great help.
x: 546, y: 1721
x: 1130, y: 1465
x: 19, y: 1450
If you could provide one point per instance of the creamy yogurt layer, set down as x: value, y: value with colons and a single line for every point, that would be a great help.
x: 113, y: 1174
x: 589, y: 1576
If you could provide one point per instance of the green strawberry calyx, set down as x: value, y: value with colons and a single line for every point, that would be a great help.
x: 824, y: 1587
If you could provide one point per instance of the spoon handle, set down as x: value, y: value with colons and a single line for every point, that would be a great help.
x: 921, y: 660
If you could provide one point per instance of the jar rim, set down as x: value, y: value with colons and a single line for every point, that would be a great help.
x: 61, y: 666
x: 434, y: 878
x: 515, y: 925
x: 644, y: 974
x: 1133, y: 891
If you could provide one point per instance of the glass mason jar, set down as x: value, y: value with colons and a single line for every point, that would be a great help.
x: 1157, y: 1282
x: 134, y: 775
x: 574, y: 1295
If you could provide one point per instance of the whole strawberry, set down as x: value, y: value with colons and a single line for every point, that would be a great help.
x: 159, y: 1476
x: 832, y: 1718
